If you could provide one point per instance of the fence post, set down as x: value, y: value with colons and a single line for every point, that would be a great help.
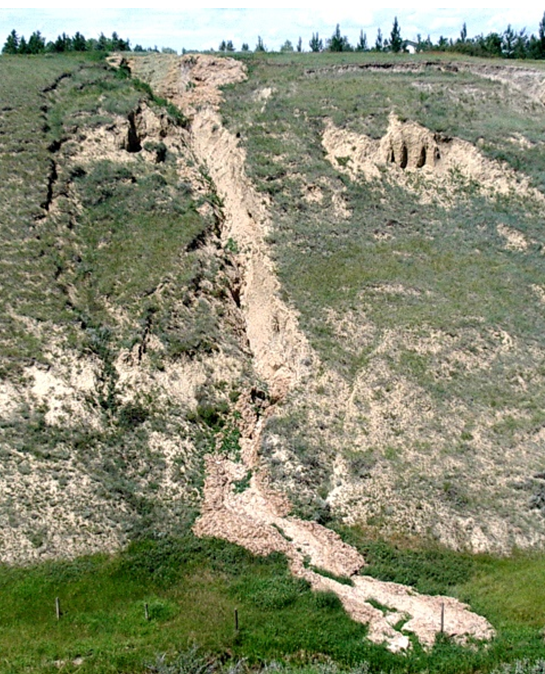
x: 58, y: 608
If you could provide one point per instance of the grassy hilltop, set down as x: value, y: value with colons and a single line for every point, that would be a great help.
x: 404, y: 201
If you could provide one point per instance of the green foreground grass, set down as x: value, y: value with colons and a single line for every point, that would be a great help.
x: 192, y: 588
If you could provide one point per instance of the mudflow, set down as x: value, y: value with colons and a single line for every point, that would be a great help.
x: 258, y: 517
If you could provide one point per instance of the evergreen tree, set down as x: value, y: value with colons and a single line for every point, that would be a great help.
x: 286, y: 47
x: 102, y: 43
x: 316, y: 44
x: 379, y: 44
x: 115, y: 42
x: 36, y: 43
x: 541, y: 39
x: 522, y: 45
x: 245, y: 46
x: 79, y: 42
x: 223, y: 46
x: 23, y: 46
x: 120, y: 43
x: 396, y: 42
x: 508, y: 43
x: 62, y: 43
x: 338, y: 42
x: 260, y: 46
x: 11, y: 45
x: 362, y: 42
x: 335, y: 42
x: 299, y: 45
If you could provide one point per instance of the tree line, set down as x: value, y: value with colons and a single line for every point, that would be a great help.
x: 509, y: 44
x: 36, y: 44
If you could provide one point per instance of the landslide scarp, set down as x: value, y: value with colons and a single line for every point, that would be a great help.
x: 357, y: 336
x: 241, y: 503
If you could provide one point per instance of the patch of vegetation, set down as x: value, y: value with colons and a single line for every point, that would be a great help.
x: 243, y: 484
x: 431, y: 249
x: 343, y: 580
x: 191, y: 588
x: 430, y: 571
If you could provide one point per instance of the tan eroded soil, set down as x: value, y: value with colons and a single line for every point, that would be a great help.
x: 417, y: 157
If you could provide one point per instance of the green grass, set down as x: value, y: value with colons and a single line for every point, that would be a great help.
x: 119, y: 230
x: 455, y: 254
x: 192, y: 588
x: 512, y: 589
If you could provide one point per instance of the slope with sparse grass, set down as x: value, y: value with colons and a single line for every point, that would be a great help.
x: 419, y: 288
x: 121, y: 347
x: 389, y: 378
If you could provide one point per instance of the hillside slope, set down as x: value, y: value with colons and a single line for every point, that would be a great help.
x: 122, y: 346
x: 314, y: 298
x: 240, y: 502
x: 403, y: 205
x: 406, y: 202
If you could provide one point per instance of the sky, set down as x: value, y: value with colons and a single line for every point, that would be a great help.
x: 204, y: 28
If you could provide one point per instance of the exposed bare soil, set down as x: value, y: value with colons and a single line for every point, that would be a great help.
x: 412, y: 154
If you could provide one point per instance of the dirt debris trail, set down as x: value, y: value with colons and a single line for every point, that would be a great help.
x: 257, y: 517
x: 281, y: 353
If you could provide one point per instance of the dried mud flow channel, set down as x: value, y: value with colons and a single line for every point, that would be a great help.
x: 258, y: 517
